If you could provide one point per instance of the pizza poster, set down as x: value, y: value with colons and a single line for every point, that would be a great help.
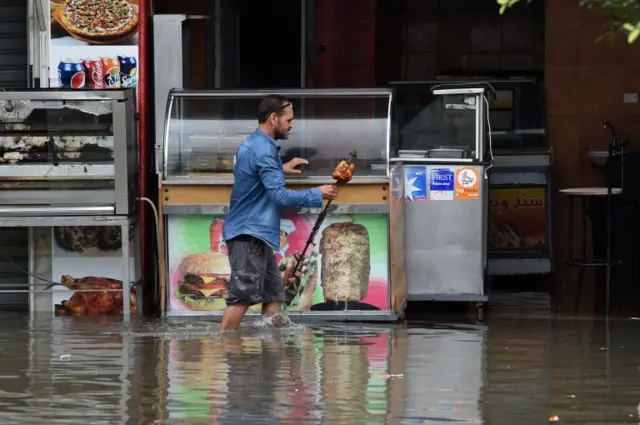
x: 347, y: 268
x: 518, y: 219
x: 93, y: 44
x: 86, y: 258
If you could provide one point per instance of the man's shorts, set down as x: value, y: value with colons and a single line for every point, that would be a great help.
x: 255, y: 276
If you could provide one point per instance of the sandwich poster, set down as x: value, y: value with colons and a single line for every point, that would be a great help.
x: 348, y: 267
x: 93, y: 44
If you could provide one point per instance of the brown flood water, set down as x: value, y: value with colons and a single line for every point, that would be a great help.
x: 518, y: 367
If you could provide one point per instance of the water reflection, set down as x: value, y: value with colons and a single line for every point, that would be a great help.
x: 509, y: 370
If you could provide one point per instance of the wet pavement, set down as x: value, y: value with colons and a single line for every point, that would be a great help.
x: 520, y: 366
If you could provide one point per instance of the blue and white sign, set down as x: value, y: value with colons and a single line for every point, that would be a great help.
x: 441, y: 184
x: 415, y: 183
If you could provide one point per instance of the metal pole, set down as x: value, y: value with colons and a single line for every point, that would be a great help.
x: 608, y: 278
x: 303, y: 44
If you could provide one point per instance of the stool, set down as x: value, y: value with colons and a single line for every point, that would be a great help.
x: 584, y: 194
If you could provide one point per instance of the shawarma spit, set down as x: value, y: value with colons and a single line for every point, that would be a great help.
x: 343, y: 173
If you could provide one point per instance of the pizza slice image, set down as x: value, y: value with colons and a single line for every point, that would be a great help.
x: 99, y: 20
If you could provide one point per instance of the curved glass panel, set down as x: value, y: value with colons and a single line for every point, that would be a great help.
x: 516, y: 115
x: 206, y: 128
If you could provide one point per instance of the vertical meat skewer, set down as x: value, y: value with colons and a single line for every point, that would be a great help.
x: 343, y: 173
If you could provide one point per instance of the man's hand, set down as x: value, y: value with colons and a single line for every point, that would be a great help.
x: 329, y: 191
x: 289, y: 277
x: 290, y: 167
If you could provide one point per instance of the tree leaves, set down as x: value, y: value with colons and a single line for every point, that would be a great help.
x: 624, y: 15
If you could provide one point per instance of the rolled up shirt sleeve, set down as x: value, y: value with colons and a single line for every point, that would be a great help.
x: 272, y: 177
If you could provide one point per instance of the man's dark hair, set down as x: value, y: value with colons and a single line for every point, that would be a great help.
x: 270, y: 104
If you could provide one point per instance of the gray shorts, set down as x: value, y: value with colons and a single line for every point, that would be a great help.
x: 255, y: 276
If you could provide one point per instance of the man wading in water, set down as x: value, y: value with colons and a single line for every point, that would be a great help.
x: 252, y: 227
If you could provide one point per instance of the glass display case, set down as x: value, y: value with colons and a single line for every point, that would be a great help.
x: 427, y: 121
x: 204, y: 129
x: 67, y: 152
x: 446, y: 123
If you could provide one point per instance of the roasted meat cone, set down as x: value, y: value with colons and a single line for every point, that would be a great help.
x: 344, y: 172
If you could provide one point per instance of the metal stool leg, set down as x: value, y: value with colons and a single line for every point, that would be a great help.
x: 585, y: 224
x: 563, y: 290
x: 571, y: 224
x: 608, y: 278
x: 576, y: 302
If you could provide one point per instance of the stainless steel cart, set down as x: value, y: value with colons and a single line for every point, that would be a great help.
x: 444, y: 153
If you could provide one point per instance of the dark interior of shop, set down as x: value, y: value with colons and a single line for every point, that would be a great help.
x: 419, y: 40
x: 259, y: 41
x: 269, y: 49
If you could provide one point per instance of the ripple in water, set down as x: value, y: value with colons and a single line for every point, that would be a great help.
x: 276, y: 319
x: 181, y: 329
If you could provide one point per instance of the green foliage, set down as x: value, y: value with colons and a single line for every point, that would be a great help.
x: 624, y: 15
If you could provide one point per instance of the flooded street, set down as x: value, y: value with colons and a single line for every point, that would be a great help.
x: 519, y: 366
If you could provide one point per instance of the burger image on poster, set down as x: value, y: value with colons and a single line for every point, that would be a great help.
x: 203, y: 279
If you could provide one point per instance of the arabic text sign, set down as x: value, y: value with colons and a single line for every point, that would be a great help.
x: 517, y: 218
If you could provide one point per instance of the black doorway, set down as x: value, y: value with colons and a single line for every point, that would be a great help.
x: 269, y: 43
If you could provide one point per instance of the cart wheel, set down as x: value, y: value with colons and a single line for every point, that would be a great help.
x: 480, y: 311
x: 476, y: 311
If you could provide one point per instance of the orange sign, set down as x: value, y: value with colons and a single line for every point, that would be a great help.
x: 467, y: 183
x: 517, y: 218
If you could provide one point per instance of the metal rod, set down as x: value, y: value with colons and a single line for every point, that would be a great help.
x: 612, y: 144
x: 126, y: 275
x: 314, y: 231
x: 21, y: 291
x: 374, y: 92
x: 303, y: 44
x: 145, y: 142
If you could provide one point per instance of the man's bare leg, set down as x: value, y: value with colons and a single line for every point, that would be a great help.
x: 271, y: 307
x: 232, y: 316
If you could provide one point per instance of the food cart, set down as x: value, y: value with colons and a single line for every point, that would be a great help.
x: 68, y: 173
x: 364, y: 226
x: 445, y: 161
x: 519, y: 216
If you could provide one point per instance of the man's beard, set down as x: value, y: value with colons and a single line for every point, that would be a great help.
x: 280, y: 135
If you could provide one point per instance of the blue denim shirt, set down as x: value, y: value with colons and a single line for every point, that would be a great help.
x: 259, y: 192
